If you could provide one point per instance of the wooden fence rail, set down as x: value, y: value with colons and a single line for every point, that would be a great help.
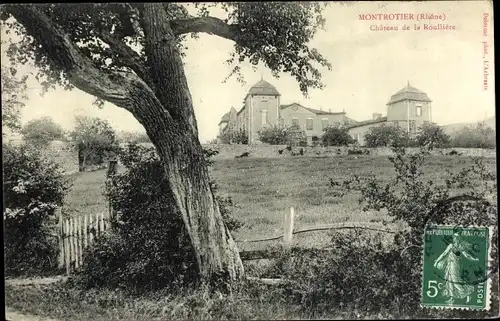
x: 289, y: 231
x: 76, y: 234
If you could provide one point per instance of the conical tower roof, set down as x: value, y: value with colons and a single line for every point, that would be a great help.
x: 409, y: 93
x: 263, y: 88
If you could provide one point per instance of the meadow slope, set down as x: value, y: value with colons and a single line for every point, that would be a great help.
x: 263, y: 189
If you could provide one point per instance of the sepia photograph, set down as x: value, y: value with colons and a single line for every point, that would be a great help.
x: 249, y: 160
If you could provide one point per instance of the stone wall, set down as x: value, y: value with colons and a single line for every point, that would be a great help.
x: 266, y: 151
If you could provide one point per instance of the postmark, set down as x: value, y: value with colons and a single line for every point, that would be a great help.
x: 455, y: 267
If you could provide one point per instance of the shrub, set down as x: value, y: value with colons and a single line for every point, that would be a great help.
x: 432, y: 135
x: 337, y: 136
x: 41, y: 131
x: 386, y: 279
x: 94, y: 139
x: 147, y: 247
x: 33, y: 187
x: 234, y: 137
x: 296, y: 136
x: 386, y: 135
x: 274, y: 135
x: 479, y: 136
x: 407, y: 198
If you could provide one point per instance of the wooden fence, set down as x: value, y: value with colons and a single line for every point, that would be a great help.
x: 289, y: 229
x: 76, y: 234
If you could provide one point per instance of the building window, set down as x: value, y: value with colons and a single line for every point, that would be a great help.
x: 263, y: 113
x: 295, y: 122
x: 418, y: 111
x: 309, y: 124
x: 324, y: 123
x: 413, y: 127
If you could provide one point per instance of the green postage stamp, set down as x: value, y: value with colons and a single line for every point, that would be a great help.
x: 456, y: 267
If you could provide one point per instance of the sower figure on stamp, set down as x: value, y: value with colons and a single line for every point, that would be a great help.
x: 450, y: 262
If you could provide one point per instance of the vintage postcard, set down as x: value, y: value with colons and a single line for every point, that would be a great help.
x: 249, y: 160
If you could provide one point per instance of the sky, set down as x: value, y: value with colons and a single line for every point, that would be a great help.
x: 367, y: 68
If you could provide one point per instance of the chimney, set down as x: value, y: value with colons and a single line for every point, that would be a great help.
x: 376, y: 115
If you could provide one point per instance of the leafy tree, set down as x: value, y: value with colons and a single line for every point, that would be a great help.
x: 478, y: 136
x: 41, y: 131
x: 13, y: 98
x: 274, y: 135
x: 386, y: 135
x: 94, y: 138
x: 133, y: 137
x: 432, y: 135
x: 32, y: 189
x: 337, y: 136
x: 131, y: 55
x: 240, y: 137
x: 234, y: 137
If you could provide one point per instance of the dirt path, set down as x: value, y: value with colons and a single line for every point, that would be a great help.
x: 12, y: 315
x: 34, y: 281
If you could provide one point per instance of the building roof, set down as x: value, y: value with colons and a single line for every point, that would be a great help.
x: 409, y: 93
x: 242, y: 109
x: 312, y: 110
x: 368, y: 122
x: 263, y: 88
x: 349, y: 121
x: 224, y: 118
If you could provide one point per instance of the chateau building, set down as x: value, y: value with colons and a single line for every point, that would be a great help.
x: 262, y: 108
x: 409, y: 109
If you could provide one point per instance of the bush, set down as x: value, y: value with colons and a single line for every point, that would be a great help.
x: 407, y: 198
x: 386, y: 280
x: 387, y: 135
x: 33, y: 188
x: 479, y: 136
x: 433, y: 136
x: 234, y: 137
x: 147, y: 247
x: 337, y: 136
x: 41, y: 131
x: 274, y: 135
x: 95, y: 141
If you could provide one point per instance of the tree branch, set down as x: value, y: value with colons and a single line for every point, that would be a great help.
x: 129, y: 57
x: 65, y: 55
x: 210, y: 25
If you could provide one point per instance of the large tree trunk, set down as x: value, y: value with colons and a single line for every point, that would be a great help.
x: 183, y: 159
x: 186, y: 171
x: 182, y: 154
x: 162, y: 104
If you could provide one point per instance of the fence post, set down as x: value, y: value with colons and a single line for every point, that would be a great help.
x: 90, y: 229
x: 102, y: 223
x: 85, y: 230
x: 79, y: 242
x: 112, y: 169
x: 67, y: 256
x: 288, y: 227
x: 61, y: 238
x: 72, y: 240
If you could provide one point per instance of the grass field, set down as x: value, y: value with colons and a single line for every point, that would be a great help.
x: 263, y: 189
